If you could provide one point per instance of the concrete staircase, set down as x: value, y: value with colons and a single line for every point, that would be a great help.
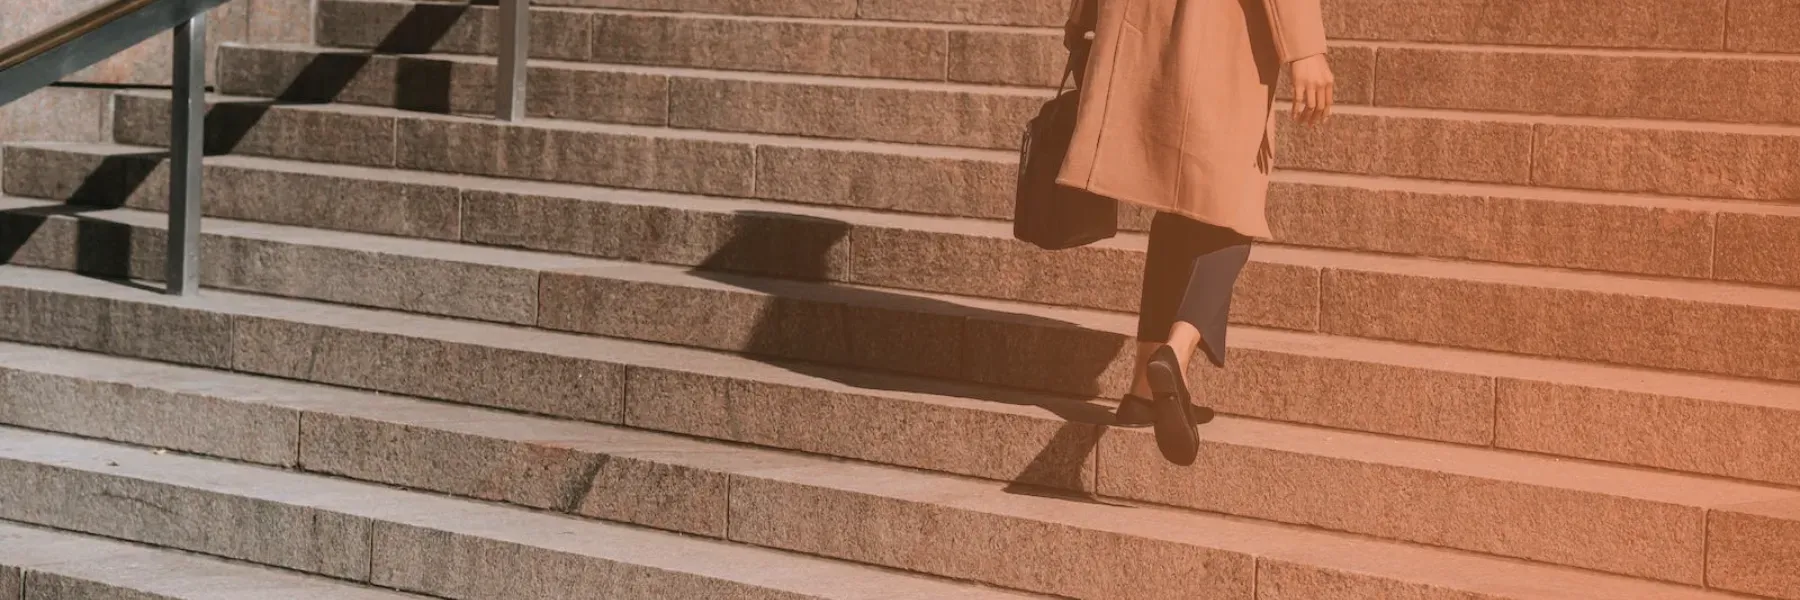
x: 737, y: 315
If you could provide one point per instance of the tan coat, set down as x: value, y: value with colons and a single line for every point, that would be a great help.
x: 1176, y: 102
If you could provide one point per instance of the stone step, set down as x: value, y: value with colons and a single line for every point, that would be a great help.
x: 1733, y: 161
x: 936, y: 180
x: 41, y: 564
x: 982, y: 12
x: 1563, y: 81
x: 1744, y: 25
x: 847, y: 47
x: 1704, y: 327
x: 410, y: 541
x: 1413, y: 391
x: 1567, y: 408
x: 941, y: 525
x: 1698, y: 239
x: 913, y: 112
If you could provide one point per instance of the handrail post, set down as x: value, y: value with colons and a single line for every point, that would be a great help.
x: 187, y: 120
x: 515, y: 44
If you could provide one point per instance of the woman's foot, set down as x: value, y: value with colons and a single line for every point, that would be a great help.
x: 1172, y: 412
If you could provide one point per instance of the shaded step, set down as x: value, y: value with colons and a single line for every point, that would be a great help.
x: 810, y: 505
x: 876, y: 249
x: 1627, y: 234
x: 1340, y: 382
x: 849, y: 47
x: 40, y: 564
x: 404, y: 540
x: 1035, y: 439
x: 1690, y: 326
x: 584, y: 379
x: 811, y: 171
x: 1625, y: 155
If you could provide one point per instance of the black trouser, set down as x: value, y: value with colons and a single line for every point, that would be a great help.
x: 1189, y: 275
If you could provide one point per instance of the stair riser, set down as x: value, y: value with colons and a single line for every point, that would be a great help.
x: 287, y: 536
x: 572, y: 386
x: 40, y: 585
x: 893, y: 114
x: 816, y: 9
x: 42, y: 564
x: 987, y: 347
x: 457, y: 566
x: 1757, y: 550
x: 1619, y: 238
x: 1751, y: 25
x: 926, y: 53
x: 332, y: 543
x: 1580, y: 83
x: 386, y: 207
x: 1269, y: 383
x: 1698, y: 88
x: 1620, y: 328
x: 1598, y: 237
x: 1274, y: 295
x: 1676, y: 334
x: 1568, y: 519
x: 1622, y: 158
x: 1764, y: 26
x: 769, y: 510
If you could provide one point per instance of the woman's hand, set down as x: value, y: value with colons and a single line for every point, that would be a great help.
x: 1313, y: 85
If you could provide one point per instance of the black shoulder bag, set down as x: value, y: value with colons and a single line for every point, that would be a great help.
x: 1045, y: 214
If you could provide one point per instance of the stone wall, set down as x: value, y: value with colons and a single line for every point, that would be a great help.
x: 78, y: 112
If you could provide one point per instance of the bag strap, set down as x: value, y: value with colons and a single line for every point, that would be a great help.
x: 1076, y: 56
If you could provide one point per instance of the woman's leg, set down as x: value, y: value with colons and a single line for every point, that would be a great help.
x: 1189, y: 274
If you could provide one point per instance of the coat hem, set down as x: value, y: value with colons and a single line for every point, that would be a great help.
x: 1264, y: 235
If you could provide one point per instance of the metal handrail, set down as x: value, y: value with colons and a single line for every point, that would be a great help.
x: 88, y: 38
x: 66, y: 31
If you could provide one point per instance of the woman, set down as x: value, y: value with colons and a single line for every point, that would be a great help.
x: 1177, y: 114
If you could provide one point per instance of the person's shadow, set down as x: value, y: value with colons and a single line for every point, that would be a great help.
x: 879, y: 340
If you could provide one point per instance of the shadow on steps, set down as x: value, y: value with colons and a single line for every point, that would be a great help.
x: 872, y: 339
x: 106, y: 250
x: 102, y: 249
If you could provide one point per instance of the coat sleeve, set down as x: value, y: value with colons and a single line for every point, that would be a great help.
x: 1299, y: 27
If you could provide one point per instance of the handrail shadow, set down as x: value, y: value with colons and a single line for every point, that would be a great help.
x: 104, y: 248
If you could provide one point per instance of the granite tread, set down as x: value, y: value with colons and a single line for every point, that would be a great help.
x: 397, y: 527
x: 71, y: 566
x: 1577, y: 510
x: 908, y: 492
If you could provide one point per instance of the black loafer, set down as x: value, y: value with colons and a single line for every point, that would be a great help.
x: 1176, y: 435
